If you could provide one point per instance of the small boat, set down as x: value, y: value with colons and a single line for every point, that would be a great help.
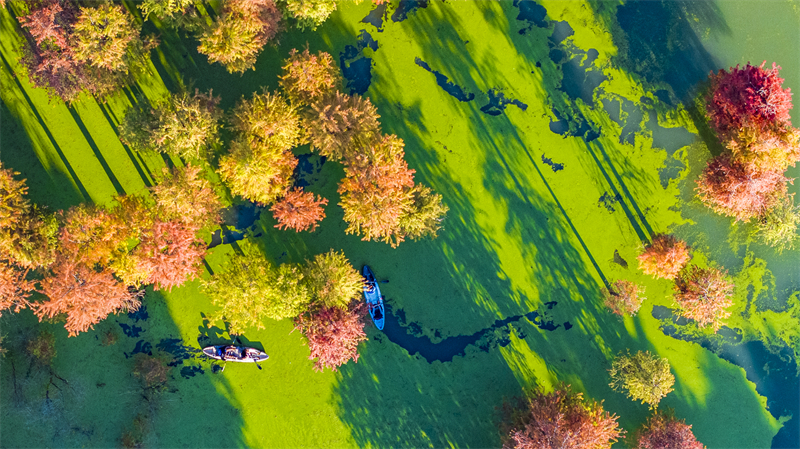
x: 232, y: 353
x: 372, y: 294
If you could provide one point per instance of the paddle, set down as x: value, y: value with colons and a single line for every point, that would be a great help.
x: 251, y: 356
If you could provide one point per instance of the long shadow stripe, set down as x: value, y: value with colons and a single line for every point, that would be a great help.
x: 133, y: 158
x: 96, y: 150
x: 81, y: 189
x: 566, y: 216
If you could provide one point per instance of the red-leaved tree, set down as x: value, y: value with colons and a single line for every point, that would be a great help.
x: 663, y: 431
x: 333, y: 334
x: 624, y: 297
x: 299, y: 210
x: 84, y: 294
x: 170, y: 253
x: 559, y: 420
x: 14, y: 288
x: 665, y: 257
x: 749, y: 97
x: 739, y: 191
x: 703, y: 295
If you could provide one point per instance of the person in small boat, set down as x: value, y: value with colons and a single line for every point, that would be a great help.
x: 376, y: 311
x: 369, y: 285
x: 232, y: 353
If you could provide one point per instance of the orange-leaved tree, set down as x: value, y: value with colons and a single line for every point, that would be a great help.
x: 333, y: 334
x: 704, y: 295
x: 299, y: 210
x: 308, y: 78
x: 15, y: 289
x: 83, y: 293
x: 665, y: 257
x: 558, y: 420
x: 170, y: 253
x: 739, y: 191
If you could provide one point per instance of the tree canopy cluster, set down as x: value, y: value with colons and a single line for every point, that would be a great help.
x: 89, y: 261
x: 749, y: 111
x: 563, y: 419
x: 322, y: 296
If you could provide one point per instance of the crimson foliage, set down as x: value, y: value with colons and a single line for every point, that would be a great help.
x: 748, y: 97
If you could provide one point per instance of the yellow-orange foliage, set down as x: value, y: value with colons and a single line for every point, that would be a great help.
x: 665, y: 257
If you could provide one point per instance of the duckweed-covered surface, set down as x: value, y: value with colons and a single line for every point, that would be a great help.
x: 562, y: 135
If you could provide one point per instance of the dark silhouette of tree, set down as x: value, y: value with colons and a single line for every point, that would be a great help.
x: 333, y: 334
x: 665, y: 257
x: 184, y: 195
x: 308, y: 78
x: 733, y: 189
x: 42, y: 347
x: 340, y: 125
x: 332, y: 280
x: 624, y: 297
x: 237, y: 36
x: 84, y: 294
x: 559, y: 420
x: 185, y: 125
x: 663, y: 431
x: 642, y: 376
x: 703, y: 295
x: 299, y: 210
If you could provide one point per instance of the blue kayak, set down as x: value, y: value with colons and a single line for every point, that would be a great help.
x: 372, y: 294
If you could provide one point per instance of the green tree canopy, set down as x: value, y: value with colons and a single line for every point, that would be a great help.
x: 642, y: 376
x: 332, y: 280
x: 251, y: 288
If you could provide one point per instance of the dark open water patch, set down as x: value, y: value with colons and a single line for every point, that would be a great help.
x: 131, y: 330
x: 376, y: 17
x: 774, y: 373
x: 498, y: 102
x: 410, y: 337
x: 579, y: 77
x: 444, y: 82
x: 533, y: 13
x: 406, y: 7
x: 140, y: 314
x: 307, y: 170
x: 608, y: 201
x: 142, y: 346
x: 241, y: 217
x: 357, y: 68
x: 554, y: 165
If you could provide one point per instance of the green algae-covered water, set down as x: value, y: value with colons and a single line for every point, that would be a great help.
x: 561, y: 135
